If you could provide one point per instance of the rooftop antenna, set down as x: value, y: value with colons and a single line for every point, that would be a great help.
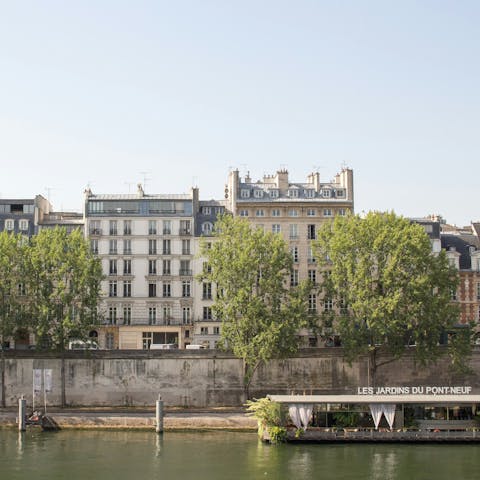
x: 145, y: 178
x: 129, y: 186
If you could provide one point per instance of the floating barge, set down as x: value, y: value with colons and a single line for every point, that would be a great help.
x: 440, y: 418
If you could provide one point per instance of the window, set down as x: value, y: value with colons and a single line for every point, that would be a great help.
x: 186, y: 287
x: 342, y: 212
x: 127, y: 314
x: 185, y: 267
x: 258, y: 193
x: 340, y: 193
x: 112, y: 315
x: 152, y: 289
x: 326, y: 193
x: 127, y: 247
x: 166, y: 247
x: 147, y: 340
x: 207, y: 228
x: 166, y: 267
x: 312, y: 276
x: 275, y: 212
x: 274, y: 193
x: 244, y: 193
x: 294, y: 278
x: 9, y: 224
x: 206, y: 267
x: 293, y: 192
x: 310, y: 193
x: 95, y: 227
x: 186, y: 315
x: 22, y: 291
x: 94, y: 246
x: 294, y: 252
x: 112, y: 247
x: 310, y: 256
x: 185, y: 228
x: 207, y: 290
x: 152, y: 315
x: 23, y: 225
x: 293, y: 227
x: 243, y: 213
x: 311, y: 212
x: 312, y: 303
x: 327, y: 212
x: 109, y: 341
x: 112, y: 267
x: 113, y: 227
x: 216, y: 330
x: 167, y: 227
x: 259, y: 213
x: 112, y: 288
x: 327, y: 304
x: 152, y: 227
x: 186, y: 247
x: 276, y: 228
x: 207, y: 313
x: 311, y: 232
x: 167, y: 314
x: 203, y: 330
x: 293, y: 212
x: 127, y: 288
x: 478, y: 291
x: 206, y: 210
x: 127, y: 227
x: 152, y: 267
x: 127, y: 267
x: 152, y: 247
x: 167, y: 290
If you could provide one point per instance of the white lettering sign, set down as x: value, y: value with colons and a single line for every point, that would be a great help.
x: 418, y: 390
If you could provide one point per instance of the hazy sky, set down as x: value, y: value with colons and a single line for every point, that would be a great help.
x: 97, y: 92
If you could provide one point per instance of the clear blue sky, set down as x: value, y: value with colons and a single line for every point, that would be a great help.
x: 99, y: 91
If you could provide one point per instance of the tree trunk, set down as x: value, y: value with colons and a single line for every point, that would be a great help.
x: 2, y: 379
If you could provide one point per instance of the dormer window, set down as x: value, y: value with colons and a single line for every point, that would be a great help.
x: 245, y: 193
x: 206, y: 210
x: 207, y: 228
x: 310, y: 193
x: 340, y: 193
x: 258, y: 193
x: 293, y: 192
x: 274, y: 193
x: 326, y: 193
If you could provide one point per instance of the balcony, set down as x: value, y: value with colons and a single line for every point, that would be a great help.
x: 167, y: 231
x: 95, y: 231
x: 185, y: 231
x: 185, y: 272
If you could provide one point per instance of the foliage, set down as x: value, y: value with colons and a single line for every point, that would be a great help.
x: 266, y: 412
x: 13, y: 300
x: 64, y: 285
x: 299, y: 432
x: 346, y: 419
x: 388, y: 289
x: 277, y: 434
x: 260, y: 316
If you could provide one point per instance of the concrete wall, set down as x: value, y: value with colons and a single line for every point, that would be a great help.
x: 202, y: 378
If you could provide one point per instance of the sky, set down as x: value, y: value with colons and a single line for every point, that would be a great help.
x: 175, y: 94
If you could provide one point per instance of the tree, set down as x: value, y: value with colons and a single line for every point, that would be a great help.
x: 64, y: 286
x: 388, y: 289
x: 261, y: 317
x: 12, y: 292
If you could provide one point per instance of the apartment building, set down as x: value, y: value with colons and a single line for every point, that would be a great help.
x: 295, y: 210
x: 146, y: 245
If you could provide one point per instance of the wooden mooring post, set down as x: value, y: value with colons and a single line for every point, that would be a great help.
x: 159, y: 415
x: 22, y: 414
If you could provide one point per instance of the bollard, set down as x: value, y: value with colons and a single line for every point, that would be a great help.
x: 22, y: 410
x: 159, y: 414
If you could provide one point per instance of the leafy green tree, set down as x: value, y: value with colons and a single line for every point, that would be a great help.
x: 261, y: 317
x: 13, y: 253
x: 64, y: 286
x: 388, y: 289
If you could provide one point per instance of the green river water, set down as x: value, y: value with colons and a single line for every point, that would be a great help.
x: 111, y: 455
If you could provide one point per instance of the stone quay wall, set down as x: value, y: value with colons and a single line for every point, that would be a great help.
x: 205, y: 378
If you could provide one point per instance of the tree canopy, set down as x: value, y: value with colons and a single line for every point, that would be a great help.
x: 261, y: 317
x: 387, y: 288
x: 64, y: 285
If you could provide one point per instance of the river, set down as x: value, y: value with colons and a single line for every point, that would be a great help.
x: 113, y: 455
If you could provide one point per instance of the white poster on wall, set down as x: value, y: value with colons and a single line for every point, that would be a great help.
x: 48, y: 379
x: 37, y: 380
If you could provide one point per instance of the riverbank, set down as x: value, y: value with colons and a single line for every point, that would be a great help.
x: 141, y: 419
